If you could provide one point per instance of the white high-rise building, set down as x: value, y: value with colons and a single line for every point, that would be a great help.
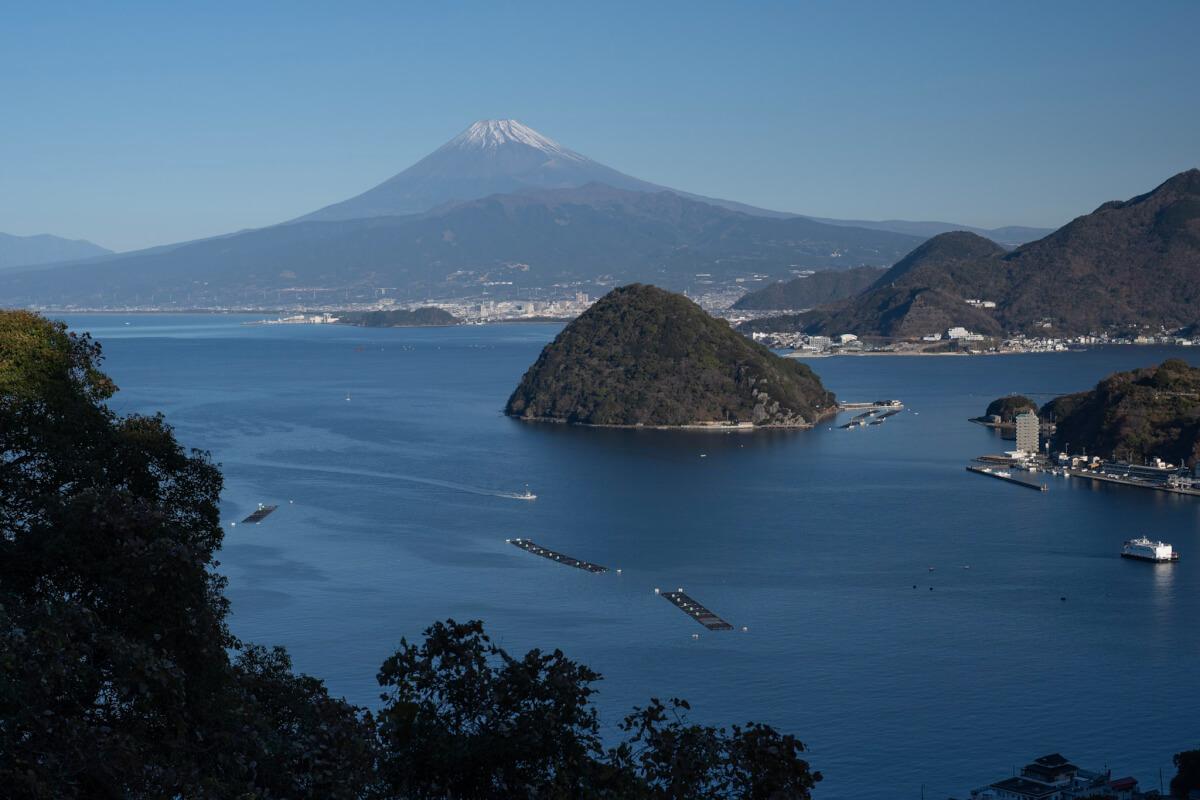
x: 1027, y: 433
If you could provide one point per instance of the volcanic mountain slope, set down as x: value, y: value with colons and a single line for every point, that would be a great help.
x: 644, y: 356
x: 28, y: 251
x: 493, y: 156
x: 531, y: 238
x: 809, y: 291
x: 913, y: 298
x: 1009, y: 235
x: 1132, y: 263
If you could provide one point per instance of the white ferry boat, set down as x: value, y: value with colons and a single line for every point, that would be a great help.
x: 1147, y: 550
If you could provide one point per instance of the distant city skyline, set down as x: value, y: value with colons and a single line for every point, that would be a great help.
x: 135, y: 125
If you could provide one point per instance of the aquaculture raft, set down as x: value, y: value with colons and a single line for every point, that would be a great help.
x: 537, y: 550
x: 260, y: 515
x: 697, y: 612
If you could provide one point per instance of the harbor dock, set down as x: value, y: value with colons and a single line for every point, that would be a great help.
x: 260, y: 515
x: 537, y: 550
x: 993, y: 474
x: 697, y: 611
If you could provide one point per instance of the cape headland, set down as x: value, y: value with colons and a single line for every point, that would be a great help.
x: 645, y: 357
x: 1134, y: 416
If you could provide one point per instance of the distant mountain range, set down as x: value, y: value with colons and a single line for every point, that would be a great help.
x: 28, y: 251
x: 533, y: 238
x: 1132, y: 263
x: 1009, y: 236
x: 499, y: 209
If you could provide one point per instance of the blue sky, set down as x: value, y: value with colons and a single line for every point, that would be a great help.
x: 136, y: 124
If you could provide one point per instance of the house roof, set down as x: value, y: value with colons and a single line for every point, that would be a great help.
x: 1052, y: 760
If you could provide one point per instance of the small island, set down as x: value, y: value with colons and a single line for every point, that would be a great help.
x: 1002, y: 413
x: 427, y: 316
x: 645, y: 357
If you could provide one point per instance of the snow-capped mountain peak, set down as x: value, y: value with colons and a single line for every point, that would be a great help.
x: 491, y: 134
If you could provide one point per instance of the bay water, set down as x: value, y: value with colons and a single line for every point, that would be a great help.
x: 920, y: 628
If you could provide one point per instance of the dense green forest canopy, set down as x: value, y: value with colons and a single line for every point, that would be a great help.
x: 1136, y: 415
x: 645, y: 356
x: 1007, y: 408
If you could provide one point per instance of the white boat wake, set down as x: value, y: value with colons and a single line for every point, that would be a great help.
x: 362, y: 473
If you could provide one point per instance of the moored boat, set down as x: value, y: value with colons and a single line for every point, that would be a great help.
x: 1145, y: 550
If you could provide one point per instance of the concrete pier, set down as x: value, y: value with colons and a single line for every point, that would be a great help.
x: 989, y: 473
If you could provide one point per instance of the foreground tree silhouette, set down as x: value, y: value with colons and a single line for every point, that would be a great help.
x: 1187, y: 773
x: 115, y: 678
x: 464, y: 719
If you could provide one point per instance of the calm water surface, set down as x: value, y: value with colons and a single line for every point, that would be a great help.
x: 821, y: 543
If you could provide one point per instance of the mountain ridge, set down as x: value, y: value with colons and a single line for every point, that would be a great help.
x: 44, y: 248
x: 536, y: 237
x: 1128, y: 263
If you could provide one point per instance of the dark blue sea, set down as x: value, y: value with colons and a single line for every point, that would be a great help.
x: 843, y: 553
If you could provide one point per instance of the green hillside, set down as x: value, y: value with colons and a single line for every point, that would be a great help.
x: 1134, y: 415
x: 645, y: 356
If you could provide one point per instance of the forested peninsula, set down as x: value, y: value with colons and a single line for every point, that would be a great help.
x: 643, y: 356
x: 1134, y: 416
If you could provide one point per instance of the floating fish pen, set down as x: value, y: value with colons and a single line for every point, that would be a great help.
x: 260, y: 515
x: 876, y: 422
x: 864, y: 416
x: 537, y: 550
x: 891, y: 413
x: 697, y: 611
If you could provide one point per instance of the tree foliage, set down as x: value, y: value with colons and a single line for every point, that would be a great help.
x: 1136, y: 415
x: 1007, y: 408
x: 464, y: 719
x: 1187, y: 773
x: 120, y: 679
x: 645, y: 356
x: 115, y: 678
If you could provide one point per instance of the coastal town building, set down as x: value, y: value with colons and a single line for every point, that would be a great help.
x: 1053, y: 777
x: 1027, y: 433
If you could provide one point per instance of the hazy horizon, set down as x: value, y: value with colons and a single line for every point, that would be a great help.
x: 159, y: 124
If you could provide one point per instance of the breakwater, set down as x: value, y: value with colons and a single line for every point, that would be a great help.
x: 992, y: 474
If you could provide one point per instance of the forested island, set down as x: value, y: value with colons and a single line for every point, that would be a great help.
x: 426, y: 316
x: 643, y: 356
x: 1007, y: 408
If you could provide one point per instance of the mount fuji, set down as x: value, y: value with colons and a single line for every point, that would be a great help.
x: 493, y: 156
x: 499, y: 210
